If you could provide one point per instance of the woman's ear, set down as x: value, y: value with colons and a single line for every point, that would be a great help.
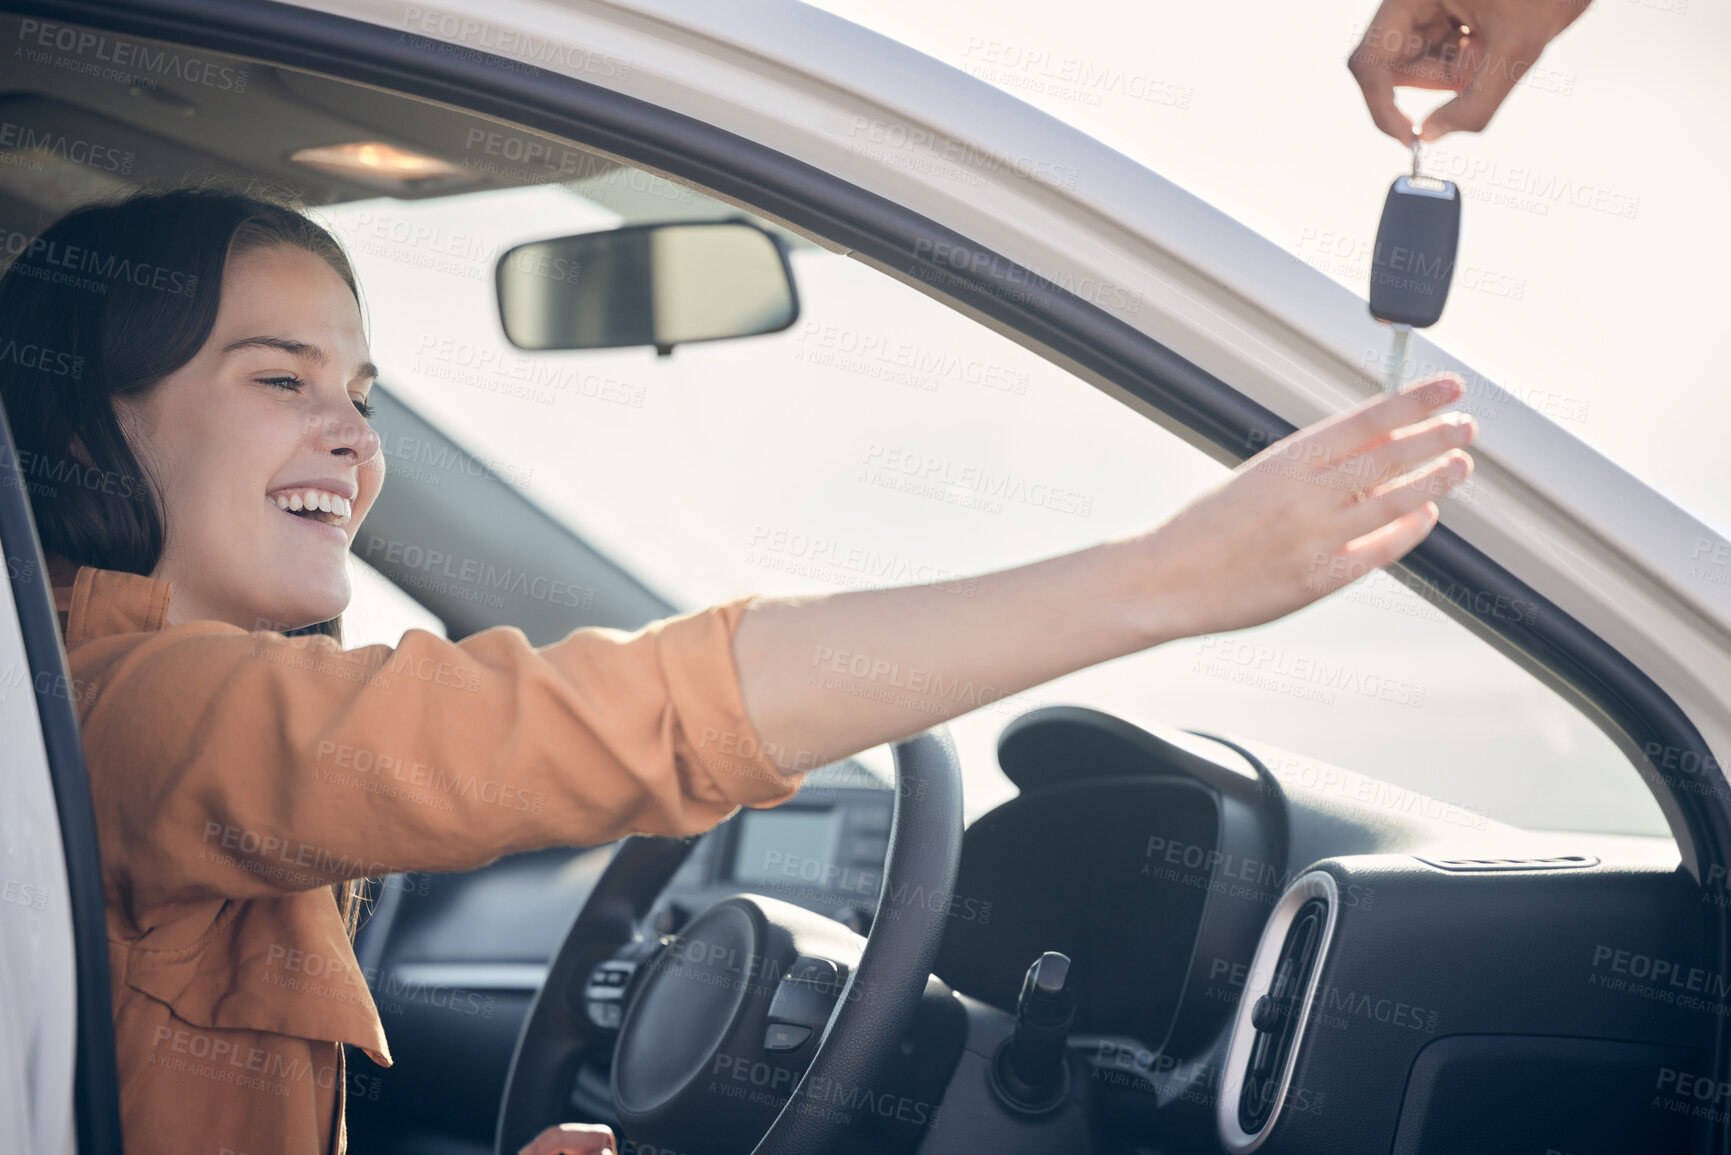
x: 81, y: 453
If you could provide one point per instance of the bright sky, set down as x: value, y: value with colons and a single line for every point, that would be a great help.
x: 1608, y: 318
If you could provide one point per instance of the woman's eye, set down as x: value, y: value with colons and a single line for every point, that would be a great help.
x: 295, y: 384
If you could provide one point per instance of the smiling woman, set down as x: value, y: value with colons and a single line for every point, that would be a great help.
x: 243, y: 402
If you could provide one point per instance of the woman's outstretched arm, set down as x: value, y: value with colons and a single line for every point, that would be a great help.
x: 828, y: 676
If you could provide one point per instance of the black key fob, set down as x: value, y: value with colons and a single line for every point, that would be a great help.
x: 1414, y: 258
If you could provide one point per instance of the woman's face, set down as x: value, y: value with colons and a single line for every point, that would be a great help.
x: 267, y: 414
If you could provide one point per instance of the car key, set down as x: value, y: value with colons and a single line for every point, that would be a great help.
x: 1414, y: 258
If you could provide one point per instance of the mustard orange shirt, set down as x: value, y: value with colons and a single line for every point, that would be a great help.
x: 237, y: 775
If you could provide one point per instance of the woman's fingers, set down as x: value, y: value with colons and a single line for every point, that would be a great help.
x: 1355, y: 431
x: 572, y: 1139
x: 1286, y: 530
x: 1405, y: 494
x: 1388, y: 544
x: 1404, y: 450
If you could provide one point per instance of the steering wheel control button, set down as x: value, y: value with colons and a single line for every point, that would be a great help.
x: 808, y: 992
x: 785, y: 1037
x: 604, y: 994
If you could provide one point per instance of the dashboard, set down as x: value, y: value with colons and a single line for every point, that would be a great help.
x: 1279, y: 955
x: 1270, y: 953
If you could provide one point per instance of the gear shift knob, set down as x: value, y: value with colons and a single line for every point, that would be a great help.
x: 1030, y: 1070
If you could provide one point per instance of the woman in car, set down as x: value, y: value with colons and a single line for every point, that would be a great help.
x: 186, y: 381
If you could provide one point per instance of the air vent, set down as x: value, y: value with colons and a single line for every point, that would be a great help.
x: 1561, y: 862
x: 1276, y: 1015
x: 1268, y: 1027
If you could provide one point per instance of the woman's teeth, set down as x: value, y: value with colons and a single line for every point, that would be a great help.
x: 317, y: 503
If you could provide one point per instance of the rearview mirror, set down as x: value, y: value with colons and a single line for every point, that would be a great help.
x: 660, y: 285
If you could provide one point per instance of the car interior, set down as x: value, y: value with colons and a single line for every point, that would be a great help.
x: 1157, y: 936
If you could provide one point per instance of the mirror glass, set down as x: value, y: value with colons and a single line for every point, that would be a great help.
x: 660, y: 285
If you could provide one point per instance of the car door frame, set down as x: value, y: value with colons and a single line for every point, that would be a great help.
x: 96, y: 1083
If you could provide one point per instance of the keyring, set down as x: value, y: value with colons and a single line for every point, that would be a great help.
x: 1415, y: 143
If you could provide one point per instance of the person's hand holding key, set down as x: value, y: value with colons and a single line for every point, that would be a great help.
x: 1476, y: 48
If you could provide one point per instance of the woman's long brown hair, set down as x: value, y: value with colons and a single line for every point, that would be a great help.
x: 121, y: 342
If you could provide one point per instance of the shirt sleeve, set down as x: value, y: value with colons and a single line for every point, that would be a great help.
x: 236, y: 764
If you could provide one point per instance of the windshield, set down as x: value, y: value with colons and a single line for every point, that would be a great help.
x: 1589, y: 277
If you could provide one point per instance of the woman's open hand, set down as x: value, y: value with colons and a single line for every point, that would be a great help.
x: 1309, y: 514
x: 572, y: 1139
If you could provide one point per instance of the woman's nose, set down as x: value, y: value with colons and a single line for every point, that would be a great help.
x: 340, y: 429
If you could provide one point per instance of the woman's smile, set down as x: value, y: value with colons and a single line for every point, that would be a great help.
x: 327, y: 524
x: 313, y: 505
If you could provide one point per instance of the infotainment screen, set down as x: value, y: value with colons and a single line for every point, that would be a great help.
x: 783, y: 845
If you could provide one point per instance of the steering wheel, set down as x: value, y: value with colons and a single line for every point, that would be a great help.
x: 761, y: 1024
